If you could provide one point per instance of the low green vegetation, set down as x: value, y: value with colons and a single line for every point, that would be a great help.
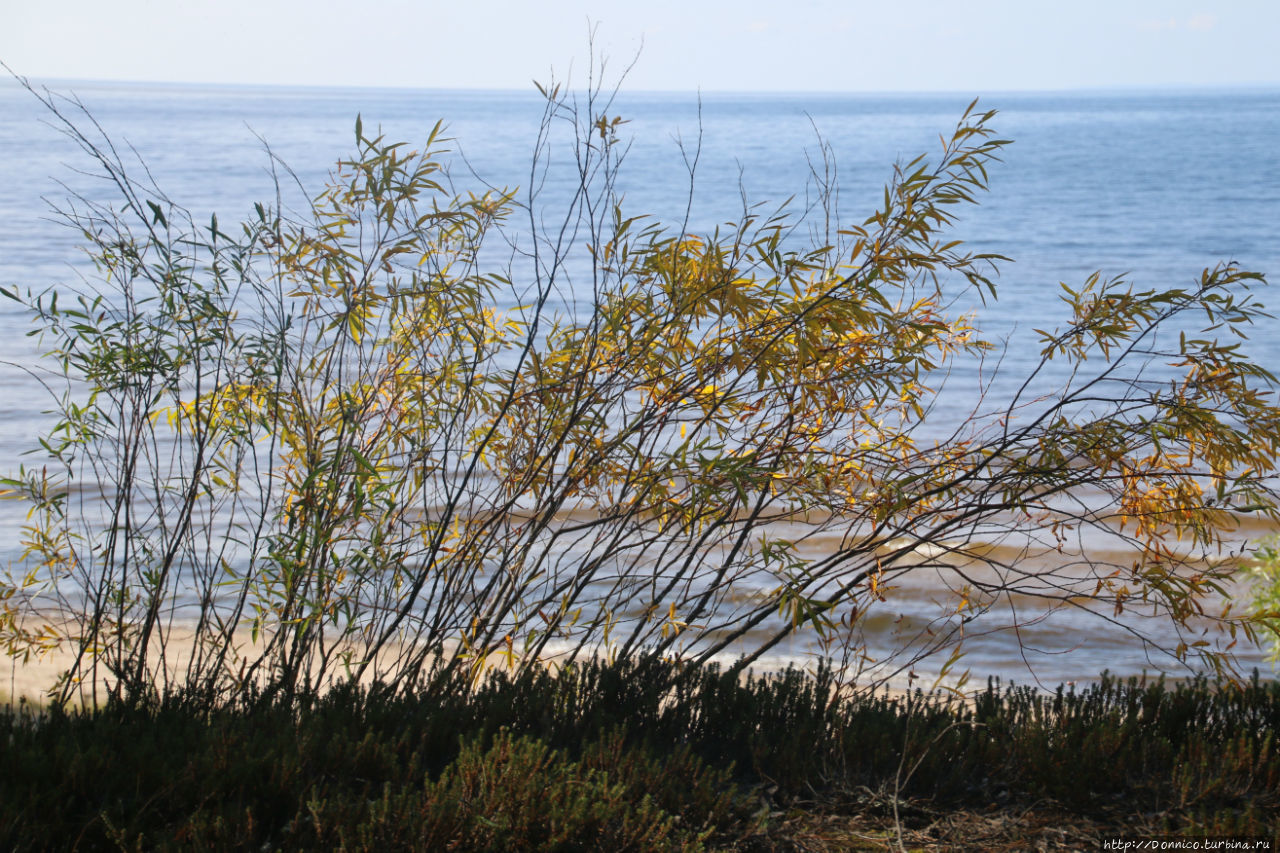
x: 641, y: 756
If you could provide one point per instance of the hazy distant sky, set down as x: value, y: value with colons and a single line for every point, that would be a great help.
x: 971, y: 45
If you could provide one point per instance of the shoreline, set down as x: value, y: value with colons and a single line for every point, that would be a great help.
x: 29, y: 682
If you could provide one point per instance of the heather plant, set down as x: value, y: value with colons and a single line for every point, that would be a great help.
x: 418, y: 429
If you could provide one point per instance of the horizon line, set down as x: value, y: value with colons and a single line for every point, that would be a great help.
x: 1118, y: 88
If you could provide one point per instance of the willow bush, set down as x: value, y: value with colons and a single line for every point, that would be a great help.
x: 377, y: 441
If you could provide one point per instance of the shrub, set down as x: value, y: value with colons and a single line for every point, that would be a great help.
x: 357, y: 446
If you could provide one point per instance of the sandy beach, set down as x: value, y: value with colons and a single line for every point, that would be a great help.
x: 31, y: 681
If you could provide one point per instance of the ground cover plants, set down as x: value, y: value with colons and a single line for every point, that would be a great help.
x: 619, y: 757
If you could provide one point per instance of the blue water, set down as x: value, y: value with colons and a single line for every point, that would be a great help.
x: 1156, y: 186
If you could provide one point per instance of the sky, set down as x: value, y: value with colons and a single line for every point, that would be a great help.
x: 710, y: 45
